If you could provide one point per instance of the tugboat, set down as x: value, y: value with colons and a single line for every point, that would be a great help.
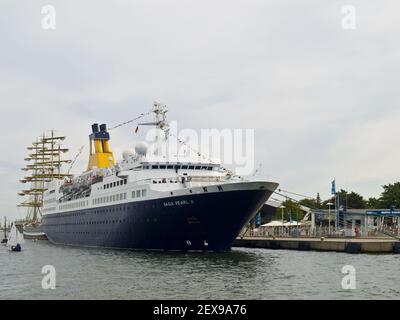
x: 150, y: 200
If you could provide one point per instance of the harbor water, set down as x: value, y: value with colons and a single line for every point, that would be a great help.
x: 92, y: 273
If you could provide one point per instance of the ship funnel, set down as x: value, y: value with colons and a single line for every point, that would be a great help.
x: 100, y: 154
x: 103, y: 127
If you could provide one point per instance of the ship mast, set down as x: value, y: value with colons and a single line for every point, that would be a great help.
x: 45, y: 164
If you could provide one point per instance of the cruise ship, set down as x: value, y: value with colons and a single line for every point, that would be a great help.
x: 150, y: 201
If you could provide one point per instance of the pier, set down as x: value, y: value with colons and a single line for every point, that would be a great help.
x: 349, y: 245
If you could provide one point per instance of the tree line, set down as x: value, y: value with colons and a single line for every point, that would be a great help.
x: 389, y: 198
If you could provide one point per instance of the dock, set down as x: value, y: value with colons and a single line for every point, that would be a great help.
x: 349, y: 245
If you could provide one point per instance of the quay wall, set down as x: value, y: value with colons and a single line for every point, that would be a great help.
x: 322, y: 244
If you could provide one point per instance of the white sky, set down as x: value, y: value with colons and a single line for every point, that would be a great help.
x: 324, y: 101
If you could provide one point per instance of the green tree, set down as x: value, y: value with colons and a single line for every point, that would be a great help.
x: 390, y: 195
x: 325, y: 203
x: 310, y: 203
x: 291, y: 207
x: 374, y: 203
x: 318, y: 201
x: 351, y: 200
x: 355, y: 201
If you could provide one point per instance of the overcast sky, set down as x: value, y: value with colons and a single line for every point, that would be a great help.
x: 323, y: 100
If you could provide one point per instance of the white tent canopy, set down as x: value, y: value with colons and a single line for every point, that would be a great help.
x: 278, y: 223
x: 273, y: 224
x: 292, y: 224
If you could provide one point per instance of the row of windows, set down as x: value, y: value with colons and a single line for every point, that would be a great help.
x: 139, y: 193
x: 148, y: 220
x: 132, y: 206
x: 88, y: 222
x: 115, y: 184
x: 95, y: 232
x: 49, y: 209
x: 110, y: 198
x: 177, y: 167
x: 110, y: 233
x: 67, y: 206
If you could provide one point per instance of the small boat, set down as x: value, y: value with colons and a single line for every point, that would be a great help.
x: 15, y: 239
x: 4, y: 241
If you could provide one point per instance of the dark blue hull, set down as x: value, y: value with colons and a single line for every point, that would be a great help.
x: 206, y: 222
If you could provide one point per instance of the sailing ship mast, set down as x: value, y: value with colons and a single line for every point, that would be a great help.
x: 45, y: 164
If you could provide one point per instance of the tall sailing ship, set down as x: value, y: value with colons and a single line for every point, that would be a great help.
x: 44, y: 165
x: 148, y: 200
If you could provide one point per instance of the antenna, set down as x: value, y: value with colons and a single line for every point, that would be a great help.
x: 160, y: 111
x: 75, y: 158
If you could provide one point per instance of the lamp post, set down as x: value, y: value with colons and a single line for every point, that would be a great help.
x: 282, y: 207
x: 329, y: 217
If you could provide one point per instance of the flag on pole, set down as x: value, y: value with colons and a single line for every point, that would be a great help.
x: 258, y: 220
x: 333, y: 191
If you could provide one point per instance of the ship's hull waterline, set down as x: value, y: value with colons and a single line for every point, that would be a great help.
x: 209, y: 221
